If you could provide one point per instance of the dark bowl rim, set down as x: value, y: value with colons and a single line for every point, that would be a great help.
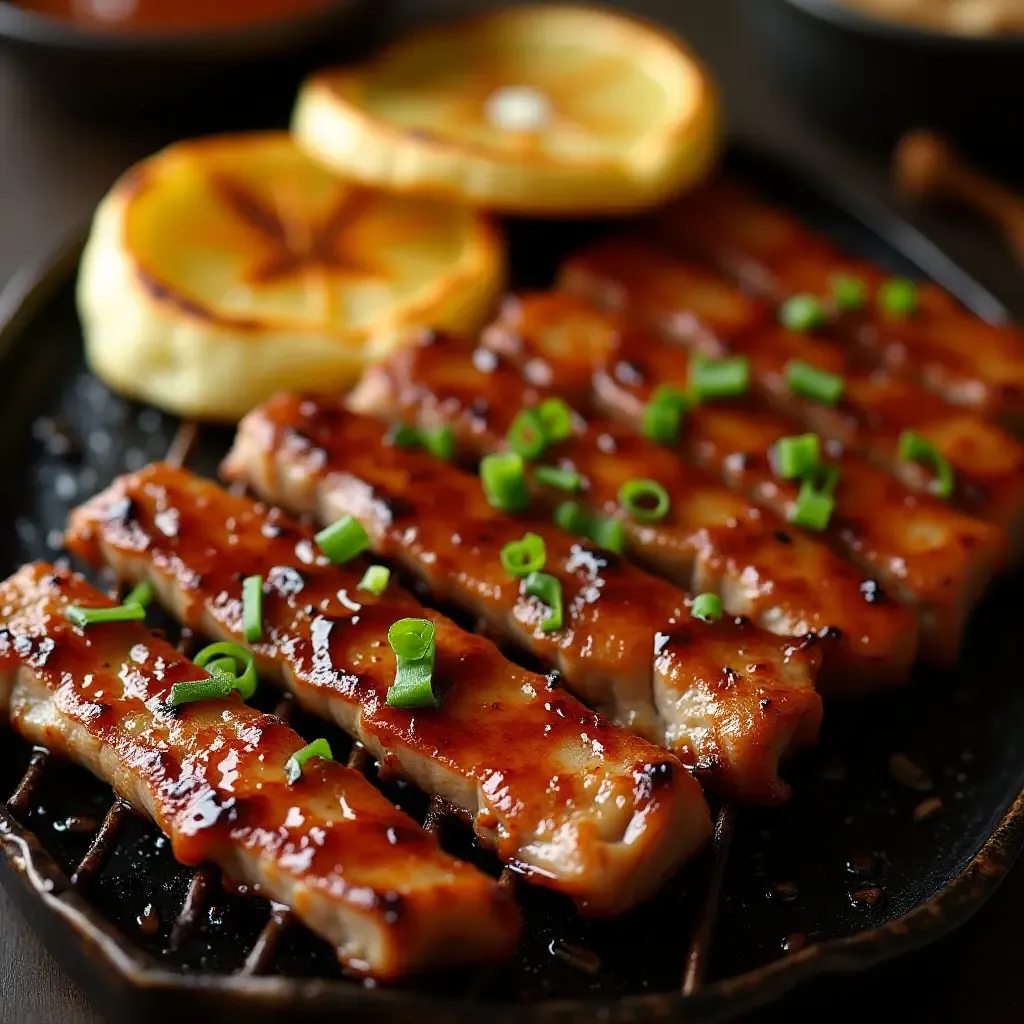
x: 839, y: 15
x: 20, y: 25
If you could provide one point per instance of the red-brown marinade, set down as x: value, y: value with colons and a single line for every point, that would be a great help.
x: 712, y: 538
x: 730, y: 700
x: 212, y: 776
x: 571, y: 801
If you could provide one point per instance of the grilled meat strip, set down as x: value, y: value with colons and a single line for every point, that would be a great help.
x: 212, y: 776
x: 941, y: 346
x: 573, y: 802
x: 920, y: 550
x: 729, y: 699
x: 692, y: 306
x: 712, y: 538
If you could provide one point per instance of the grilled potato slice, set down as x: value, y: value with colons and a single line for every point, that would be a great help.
x: 554, y: 110
x: 222, y: 270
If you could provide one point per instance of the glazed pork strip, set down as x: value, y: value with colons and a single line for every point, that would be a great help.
x: 212, y: 776
x: 690, y: 305
x: 942, y: 347
x: 572, y: 802
x: 919, y: 550
x: 730, y: 700
x: 712, y: 539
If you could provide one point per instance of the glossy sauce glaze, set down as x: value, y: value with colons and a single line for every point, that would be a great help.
x: 690, y: 305
x: 712, y: 539
x: 942, y: 346
x: 920, y: 550
x: 728, y: 698
x: 553, y: 786
x: 212, y: 776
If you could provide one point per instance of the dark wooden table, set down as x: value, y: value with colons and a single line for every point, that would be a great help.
x: 53, y: 169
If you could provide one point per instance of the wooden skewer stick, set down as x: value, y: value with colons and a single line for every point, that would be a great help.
x: 925, y: 166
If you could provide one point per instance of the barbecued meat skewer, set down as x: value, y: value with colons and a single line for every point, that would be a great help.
x: 573, y: 802
x: 212, y: 776
x: 688, y: 304
x: 938, y: 344
x: 728, y: 698
x: 918, y: 549
x: 711, y: 539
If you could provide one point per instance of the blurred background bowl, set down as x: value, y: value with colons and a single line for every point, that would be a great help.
x: 862, y: 77
x: 192, y: 75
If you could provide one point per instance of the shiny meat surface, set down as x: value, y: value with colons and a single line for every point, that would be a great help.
x: 712, y: 539
x: 212, y: 776
x: 942, y: 346
x: 728, y: 698
x: 573, y: 802
x: 689, y: 305
x: 918, y: 549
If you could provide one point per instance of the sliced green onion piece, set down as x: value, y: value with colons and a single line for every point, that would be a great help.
x: 217, y: 687
x: 706, y: 607
x: 294, y: 765
x: 824, y: 478
x: 795, y: 457
x: 607, y: 533
x: 375, y: 580
x: 898, y: 297
x: 84, y: 617
x: 402, y: 435
x: 848, y: 292
x: 644, y: 500
x: 801, y: 313
x: 562, y: 479
x: 503, y: 477
x: 252, y: 609
x: 412, y: 639
x: 440, y: 442
x: 245, y: 681
x: 916, y: 448
x: 663, y: 414
x: 521, y: 557
x: 547, y: 589
x: 556, y: 417
x: 569, y: 516
x: 344, y: 540
x: 813, y: 382
x: 527, y: 436
x: 222, y: 667
x: 719, y: 378
x: 141, y: 594
x: 813, y: 508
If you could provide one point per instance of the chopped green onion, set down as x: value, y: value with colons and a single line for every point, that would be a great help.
x: 663, y: 414
x: 711, y: 379
x: 84, y: 617
x: 141, y: 594
x: 412, y: 639
x: 439, y: 441
x: 217, y: 687
x: 569, y: 516
x: 344, y: 540
x: 706, y: 607
x: 527, y: 436
x: 556, y: 417
x: 898, y: 297
x: 801, y: 313
x: 562, y: 479
x: 503, y: 477
x: 252, y: 609
x: 294, y: 765
x: 402, y: 435
x: 916, y: 448
x: 644, y: 500
x: 521, y: 557
x: 222, y: 667
x: 813, y: 508
x: 824, y: 478
x: 813, y: 382
x: 848, y: 292
x: 375, y: 580
x: 245, y: 681
x: 796, y: 456
x: 607, y: 533
x: 547, y: 589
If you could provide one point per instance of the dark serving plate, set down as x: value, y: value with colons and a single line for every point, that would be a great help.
x: 870, y: 859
